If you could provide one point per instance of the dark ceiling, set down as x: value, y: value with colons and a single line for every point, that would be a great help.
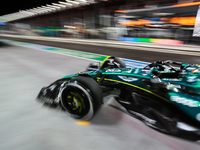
x: 11, y: 6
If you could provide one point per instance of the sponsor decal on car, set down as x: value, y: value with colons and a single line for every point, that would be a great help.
x: 185, y: 101
x: 191, y: 79
x: 87, y: 72
x: 173, y: 79
x: 113, y: 70
x: 128, y: 79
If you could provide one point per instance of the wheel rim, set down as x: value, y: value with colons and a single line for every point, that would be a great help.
x: 77, y: 101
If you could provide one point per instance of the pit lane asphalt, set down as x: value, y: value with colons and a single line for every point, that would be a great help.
x: 26, y: 124
x: 130, y: 52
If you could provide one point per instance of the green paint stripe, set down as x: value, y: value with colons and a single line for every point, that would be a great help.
x: 79, y: 54
x: 51, y: 48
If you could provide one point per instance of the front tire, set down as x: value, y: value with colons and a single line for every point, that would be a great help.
x: 81, y: 97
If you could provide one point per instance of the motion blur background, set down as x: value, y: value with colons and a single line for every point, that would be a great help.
x: 42, y: 41
x: 173, y: 22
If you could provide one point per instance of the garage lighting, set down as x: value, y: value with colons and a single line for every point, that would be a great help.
x: 41, y: 10
x: 91, y: 1
x: 81, y: 0
x: 25, y: 12
x: 49, y: 8
x: 66, y: 3
x: 45, y: 9
x: 29, y: 9
x: 71, y: 27
x: 38, y: 7
x: 59, y: 5
x: 73, y: 2
x: 34, y: 10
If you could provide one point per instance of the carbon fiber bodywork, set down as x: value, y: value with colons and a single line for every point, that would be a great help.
x: 160, y: 97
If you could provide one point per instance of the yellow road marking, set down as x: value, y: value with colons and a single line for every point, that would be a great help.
x: 85, y: 123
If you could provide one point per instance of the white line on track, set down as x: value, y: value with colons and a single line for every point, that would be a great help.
x: 184, y: 50
x: 29, y: 45
x: 49, y: 51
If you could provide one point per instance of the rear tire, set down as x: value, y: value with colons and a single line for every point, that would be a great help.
x: 81, y: 97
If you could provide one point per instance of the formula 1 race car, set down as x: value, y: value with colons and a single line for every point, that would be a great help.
x: 165, y: 95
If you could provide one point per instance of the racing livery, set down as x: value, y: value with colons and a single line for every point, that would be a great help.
x: 165, y: 95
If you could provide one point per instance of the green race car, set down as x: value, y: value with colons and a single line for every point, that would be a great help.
x: 165, y: 95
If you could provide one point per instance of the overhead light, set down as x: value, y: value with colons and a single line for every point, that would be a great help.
x: 54, y: 6
x: 81, y: 0
x: 26, y: 12
x: 73, y: 2
x: 91, y: 1
x: 40, y: 9
x: 50, y: 8
x: 34, y: 8
x: 29, y: 9
x: 45, y: 8
x: 66, y: 3
x: 59, y: 5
